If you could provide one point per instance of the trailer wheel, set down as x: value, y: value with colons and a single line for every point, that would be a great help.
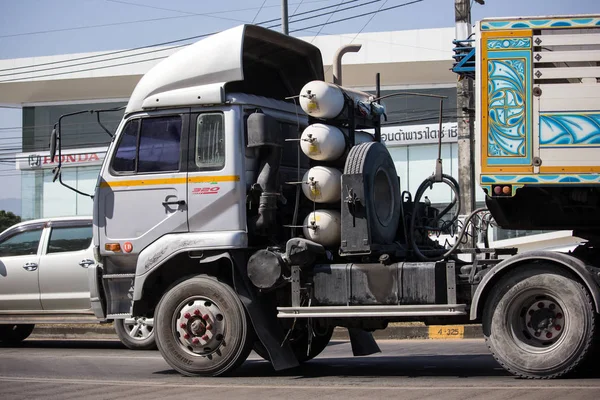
x: 382, y: 188
x: 13, y: 334
x: 202, y: 329
x: 299, y: 342
x: 539, y: 322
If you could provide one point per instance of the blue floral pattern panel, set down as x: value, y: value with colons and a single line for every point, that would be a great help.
x: 509, y: 43
x: 539, y: 23
x: 506, y: 105
x: 570, y: 129
x: 509, y: 102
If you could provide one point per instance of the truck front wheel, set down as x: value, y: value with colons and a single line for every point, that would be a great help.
x: 539, y: 322
x: 201, y: 328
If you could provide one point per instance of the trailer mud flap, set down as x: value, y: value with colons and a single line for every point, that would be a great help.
x: 265, y: 324
x: 363, y: 343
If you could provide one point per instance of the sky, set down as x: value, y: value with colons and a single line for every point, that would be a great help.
x: 30, y: 28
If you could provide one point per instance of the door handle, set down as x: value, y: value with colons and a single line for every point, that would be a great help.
x: 30, y: 266
x: 174, y: 203
x: 86, y: 263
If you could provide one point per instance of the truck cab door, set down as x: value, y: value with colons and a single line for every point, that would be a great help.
x: 216, y: 188
x: 19, y: 259
x: 142, y: 188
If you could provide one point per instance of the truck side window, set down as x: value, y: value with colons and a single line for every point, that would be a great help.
x: 124, y: 160
x: 22, y: 244
x: 149, y: 145
x: 160, y: 140
x: 210, y: 141
x: 73, y: 238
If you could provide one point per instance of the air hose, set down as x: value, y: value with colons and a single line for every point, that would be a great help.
x: 427, y: 184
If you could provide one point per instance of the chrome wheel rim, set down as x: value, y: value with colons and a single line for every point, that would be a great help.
x: 139, y: 328
x: 199, y: 326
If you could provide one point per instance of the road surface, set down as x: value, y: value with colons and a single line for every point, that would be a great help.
x: 410, y: 369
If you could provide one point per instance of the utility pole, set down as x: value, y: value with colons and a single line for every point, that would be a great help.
x: 284, y: 17
x: 465, y: 114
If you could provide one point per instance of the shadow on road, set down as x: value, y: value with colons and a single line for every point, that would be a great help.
x: 376, y: 366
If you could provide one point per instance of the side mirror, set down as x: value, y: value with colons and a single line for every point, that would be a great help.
x: 56, y: 172
x: 53, y: 140
x: 263, y: 130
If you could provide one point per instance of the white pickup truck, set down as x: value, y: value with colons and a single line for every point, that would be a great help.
x: 44, y: 279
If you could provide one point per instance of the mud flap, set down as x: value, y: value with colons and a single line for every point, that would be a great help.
x: 265, y: 323
x: 363, y: 343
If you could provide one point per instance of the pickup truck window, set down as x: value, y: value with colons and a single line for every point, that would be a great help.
x: 21, y: 244
x: 69, y: 239
x: 149, y: 145
x: 210, y: 142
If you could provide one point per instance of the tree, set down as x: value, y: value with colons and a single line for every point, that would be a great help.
x: 8, y: 219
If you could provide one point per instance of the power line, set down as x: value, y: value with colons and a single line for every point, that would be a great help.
x: 297, y: 7
x: 75, y: 28
x: 359, y: 16
x: 331, y: 12
x: 151, y: 45
x: 106, y: 54
x: 165, y: 49
x: 86, y: 69
x: 188, y: 14
x: 93, y: 62
x: 328, y: 19
x: 215, y: 12
x: 313, y: 11
x: 259, y: 10
x: 160, y: 58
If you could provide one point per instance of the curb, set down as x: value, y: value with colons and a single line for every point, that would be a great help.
x: 441, y: 332
x: 420, y: 332
x: 73, y: 331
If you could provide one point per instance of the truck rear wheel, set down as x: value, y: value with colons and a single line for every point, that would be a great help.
x: 202, y: 329
x: 15, y: 333
x: 539, y: 322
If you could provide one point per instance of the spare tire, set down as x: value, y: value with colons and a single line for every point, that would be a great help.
x: 381, y: 190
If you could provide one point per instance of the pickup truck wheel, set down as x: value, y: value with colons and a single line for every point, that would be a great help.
x: 136, y: 333
x: 202, y: 329
x: 13, y: 334
x: 299, y: 342
x: 539, y: 322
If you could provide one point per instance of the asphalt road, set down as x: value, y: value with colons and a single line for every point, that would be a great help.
x: 410, y: 369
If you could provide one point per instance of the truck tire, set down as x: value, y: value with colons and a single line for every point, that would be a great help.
x: 136, y: 333
x: 299, y: 344
x: 12, y: 334
x: 382, y: 188
x: 201, y: 328
x: 539, y: 322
